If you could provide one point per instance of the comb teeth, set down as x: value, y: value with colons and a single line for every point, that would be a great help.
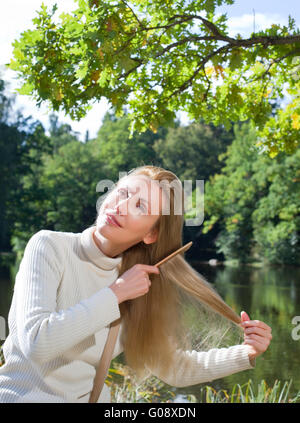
x: 180, y: 250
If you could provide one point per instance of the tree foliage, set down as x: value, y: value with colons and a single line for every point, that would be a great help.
x: 123, y: 152
x: 70, y: 179
x: 60, y: 134
x: 192, y: 151
x: 256, y: 202
x: 158, y: 57
x: 22, y: 145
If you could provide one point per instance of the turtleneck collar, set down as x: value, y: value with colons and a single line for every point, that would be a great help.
x: 94, y: 254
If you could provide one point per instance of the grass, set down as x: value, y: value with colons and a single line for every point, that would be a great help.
x: 246, y: 393
x: 125, y: 389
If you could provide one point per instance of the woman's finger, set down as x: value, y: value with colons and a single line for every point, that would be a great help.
x: 257, y: 330
x: 258, y: 338
x: 256, y: 323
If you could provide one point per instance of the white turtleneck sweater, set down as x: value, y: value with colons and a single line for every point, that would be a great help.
x: 59, y: 320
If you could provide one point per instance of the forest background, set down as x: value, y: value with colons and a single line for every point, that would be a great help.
x: 239, y: 96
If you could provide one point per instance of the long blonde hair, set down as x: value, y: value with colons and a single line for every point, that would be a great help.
x: 154, y: 325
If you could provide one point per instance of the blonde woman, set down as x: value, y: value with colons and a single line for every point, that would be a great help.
x: 71, y: 287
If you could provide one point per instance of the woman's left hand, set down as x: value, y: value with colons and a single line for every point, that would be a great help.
x: 257, y: 335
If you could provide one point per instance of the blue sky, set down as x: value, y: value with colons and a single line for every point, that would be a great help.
x: 16, y: 16
x: 242, y: 14
x: 266, y: 7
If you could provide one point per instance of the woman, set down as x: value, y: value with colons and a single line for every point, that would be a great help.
x: 71, y: 287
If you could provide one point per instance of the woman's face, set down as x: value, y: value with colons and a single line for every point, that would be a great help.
x: 135, y: 204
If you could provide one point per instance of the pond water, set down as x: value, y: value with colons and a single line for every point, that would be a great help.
x: 270, y: 294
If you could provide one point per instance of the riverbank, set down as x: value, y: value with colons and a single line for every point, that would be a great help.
x: 237, y: 263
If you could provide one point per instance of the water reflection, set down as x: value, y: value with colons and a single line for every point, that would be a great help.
x: 270, y: 294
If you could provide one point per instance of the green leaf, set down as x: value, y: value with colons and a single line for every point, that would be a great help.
x: 26, y: 89
x: 103, y: 77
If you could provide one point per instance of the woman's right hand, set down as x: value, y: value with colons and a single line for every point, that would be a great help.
x: 134, y: 282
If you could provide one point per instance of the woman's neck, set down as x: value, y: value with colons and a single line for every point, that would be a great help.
x: 106, y: 246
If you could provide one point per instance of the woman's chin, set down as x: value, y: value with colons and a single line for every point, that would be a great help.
x: 104, y: 230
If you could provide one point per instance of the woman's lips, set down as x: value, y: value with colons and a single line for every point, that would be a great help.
x: 111, y: 219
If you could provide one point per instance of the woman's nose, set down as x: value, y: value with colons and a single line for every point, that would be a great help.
x: 122, y: 207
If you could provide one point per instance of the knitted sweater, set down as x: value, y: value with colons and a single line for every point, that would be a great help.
x: 59, y: 320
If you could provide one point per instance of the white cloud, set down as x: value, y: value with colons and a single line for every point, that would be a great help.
x: 246, y: 23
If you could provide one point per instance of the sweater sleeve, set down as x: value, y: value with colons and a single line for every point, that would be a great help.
x: 193, y: 367
x: 43, y: 332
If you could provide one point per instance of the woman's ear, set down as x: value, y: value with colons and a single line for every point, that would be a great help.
x: 151, y: 237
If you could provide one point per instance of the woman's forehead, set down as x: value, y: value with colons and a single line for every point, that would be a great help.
x: 140, y: 183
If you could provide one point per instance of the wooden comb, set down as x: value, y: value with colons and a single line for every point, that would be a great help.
x: 180, y: 250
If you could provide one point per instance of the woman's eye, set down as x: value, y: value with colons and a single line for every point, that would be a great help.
x: 123, y: 192
x: 142, y: 207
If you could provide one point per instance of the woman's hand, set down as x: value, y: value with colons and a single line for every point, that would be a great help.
x: 257, y: 335
x: 134, y: 282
